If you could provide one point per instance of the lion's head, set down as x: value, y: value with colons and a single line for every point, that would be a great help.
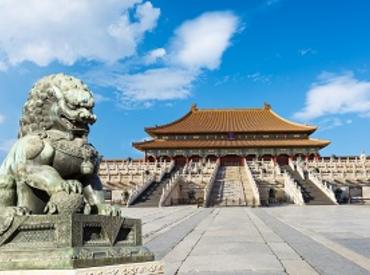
x: 59, y: 102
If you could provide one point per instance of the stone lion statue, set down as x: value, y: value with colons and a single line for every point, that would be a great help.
x: 52, y: 168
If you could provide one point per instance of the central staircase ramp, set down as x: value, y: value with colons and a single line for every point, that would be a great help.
x: 231, y: 188
x: 312, y: 195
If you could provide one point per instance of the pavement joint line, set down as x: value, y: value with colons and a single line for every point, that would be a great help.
x: 166, y: 215
x: 263, y: 238
x: 349, y: 254
x: 255, y: 218
x: 337, y: 248
x: 165, y: 227
x: 156, y: 244
x: 157, y: 215
x: 214, y: 215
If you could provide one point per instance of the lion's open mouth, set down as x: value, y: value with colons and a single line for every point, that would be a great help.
x: 74, y: 125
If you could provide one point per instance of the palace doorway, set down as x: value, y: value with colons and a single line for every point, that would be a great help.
x: 180, y: 161
x: 282, y: 159
x: 231, y: 160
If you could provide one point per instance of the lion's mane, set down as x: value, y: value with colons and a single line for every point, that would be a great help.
x: 46, y: 92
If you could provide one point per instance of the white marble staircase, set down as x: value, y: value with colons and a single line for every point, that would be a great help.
x: 247, y: 186
x: 228, y: 188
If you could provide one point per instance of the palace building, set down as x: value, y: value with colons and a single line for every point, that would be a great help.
x: 235, y: 157
x: 231, y: 135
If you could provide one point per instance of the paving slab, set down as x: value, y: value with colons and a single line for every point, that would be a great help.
x: 230, y: 263
x: 321, y: 258
x: 284, y: 251
x: 231, y: 245
x: 175, y: 258
x: 298, y: 267
x: 164, y: 243
x: 276, y: 240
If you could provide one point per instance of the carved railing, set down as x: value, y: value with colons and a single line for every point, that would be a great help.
x: 323, y: 186
x: 166, y: 170
x: 300, y: 169
x: 291, y: 164
x: 250, y: 178
x: 187, y: 167
x: 169, y: 187
x: 277, y: 169
x: 293, y: 190
x: 139, y: 189
x: 208, y: 188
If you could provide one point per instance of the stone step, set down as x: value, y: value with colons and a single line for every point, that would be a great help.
x: 312, y: 195
x: 228, y: 188
x: 152, y: 195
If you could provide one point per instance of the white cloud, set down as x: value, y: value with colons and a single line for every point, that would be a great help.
x: 200, y: 43
x: 2, y: 118
x: 336, y: 94
x: 154, y: 55
x: 330, y: 123
x: 306, y: 51
x: 99, y: 98
x: 156, y: 84
x: 142, y: 89
x: 258, y: 77
x: 197, y: 46
x: 66, y: 31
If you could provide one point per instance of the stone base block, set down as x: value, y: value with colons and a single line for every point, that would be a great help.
x: 70, y: 242
x: 145, y: 268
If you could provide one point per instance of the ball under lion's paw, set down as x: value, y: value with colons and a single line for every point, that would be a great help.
x: 64, y: 203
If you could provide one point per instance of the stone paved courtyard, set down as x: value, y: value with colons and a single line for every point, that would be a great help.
x: 281, y: 240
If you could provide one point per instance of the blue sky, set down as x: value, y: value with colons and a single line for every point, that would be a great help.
x: 148, y: 61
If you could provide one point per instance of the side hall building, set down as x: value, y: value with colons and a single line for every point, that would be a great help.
x: 231, y: 135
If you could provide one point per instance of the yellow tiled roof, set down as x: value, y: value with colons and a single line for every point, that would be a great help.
x: 230, y: 120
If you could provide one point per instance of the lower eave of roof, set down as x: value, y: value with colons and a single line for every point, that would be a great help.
x: 208, y: 144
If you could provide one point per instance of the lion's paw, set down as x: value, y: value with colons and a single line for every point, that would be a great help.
x: 109, y: 210
x: 51, y: 208
x: 19, y: 210
x: 72, y: 186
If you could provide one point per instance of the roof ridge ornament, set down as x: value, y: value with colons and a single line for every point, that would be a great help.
x: 267, y: 106
x: 194, y: 108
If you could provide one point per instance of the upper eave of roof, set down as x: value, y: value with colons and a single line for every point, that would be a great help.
x: 236, y: 120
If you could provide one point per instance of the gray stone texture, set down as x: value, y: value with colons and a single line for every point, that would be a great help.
x: 280, y: 240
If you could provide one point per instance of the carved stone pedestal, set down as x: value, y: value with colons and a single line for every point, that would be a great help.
x: 71, y: 242
x: 147, y: 268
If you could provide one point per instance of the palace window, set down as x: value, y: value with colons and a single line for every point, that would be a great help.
x: 231, y: 136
